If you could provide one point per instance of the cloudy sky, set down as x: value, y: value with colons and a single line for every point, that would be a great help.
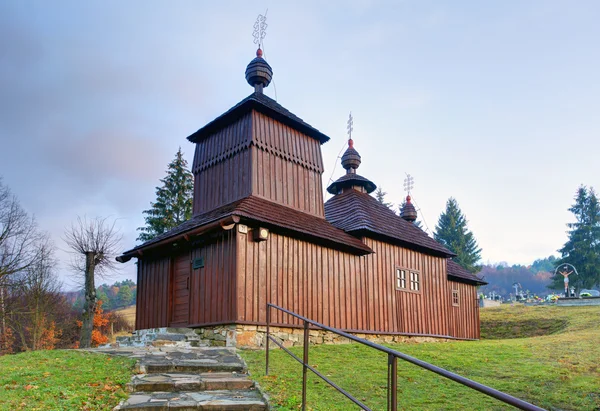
x: 495, y: 104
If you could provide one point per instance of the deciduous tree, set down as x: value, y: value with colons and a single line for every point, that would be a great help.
x: 451, y: 231
x: 173, y: 203
x: 94, y: 244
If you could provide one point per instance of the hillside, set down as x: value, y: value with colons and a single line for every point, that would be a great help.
x: 546, y: 355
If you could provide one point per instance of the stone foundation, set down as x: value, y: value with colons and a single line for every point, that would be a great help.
x: 254, y: 336
x: 250, y: 336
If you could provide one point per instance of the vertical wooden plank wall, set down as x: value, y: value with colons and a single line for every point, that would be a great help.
x: 286, y: 165
x: 222, y: 166
x: 152, y: 305
x: 347, y: 291
x: 212, y: 287
x: 464, y: 318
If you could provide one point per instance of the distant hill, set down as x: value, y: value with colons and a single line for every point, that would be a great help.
x: 535, y: 278
x: 118, y: 295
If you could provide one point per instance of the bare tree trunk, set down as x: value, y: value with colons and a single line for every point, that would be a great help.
x: 89, y: 305
x: 2, y: 314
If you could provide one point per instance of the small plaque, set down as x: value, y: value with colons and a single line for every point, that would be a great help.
x: 198, y: 263
x: 243, y: 228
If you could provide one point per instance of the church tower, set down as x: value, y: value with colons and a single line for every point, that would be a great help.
x: 258, y: 148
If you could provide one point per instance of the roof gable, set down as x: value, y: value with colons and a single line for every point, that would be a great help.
x: 356, y: 212
x: 264, y: 104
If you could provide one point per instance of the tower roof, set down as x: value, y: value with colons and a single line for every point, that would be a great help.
x: 264, y: 104
x: 408, y: 212
x: 258, y: 72
x: 351, y: 161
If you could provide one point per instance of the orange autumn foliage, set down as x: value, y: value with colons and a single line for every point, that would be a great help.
x: 7, y: 340
x: 101, y: 320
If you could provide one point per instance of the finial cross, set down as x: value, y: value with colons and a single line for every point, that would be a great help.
x: 350, y: 127
x: 260, y: 29
x: 409, y: 183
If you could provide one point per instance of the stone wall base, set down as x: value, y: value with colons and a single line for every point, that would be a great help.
x: 254, y: 336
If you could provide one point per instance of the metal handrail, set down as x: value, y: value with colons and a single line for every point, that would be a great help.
x: 393, y: 355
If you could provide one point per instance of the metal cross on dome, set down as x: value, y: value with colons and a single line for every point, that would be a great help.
x: 260, y: 29
x: 409, y: 183
x: 350, y: 127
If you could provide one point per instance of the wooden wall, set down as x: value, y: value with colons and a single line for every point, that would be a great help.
x: 211, y: 292
x: 260, y: 156
x: 152, y: 305
x: 213, y: 286
x: 222, y: 166
x: 464, y: 318
x: 346, y: 291
x: 286, y: 166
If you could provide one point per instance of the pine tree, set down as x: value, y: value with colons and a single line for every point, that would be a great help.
x: 582, y: 248
x: 173, y: 203
x: 380, y: 196
x: 452, y: 232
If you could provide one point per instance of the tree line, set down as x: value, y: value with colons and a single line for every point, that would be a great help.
x: 34, y: 312
x: 120, y: 294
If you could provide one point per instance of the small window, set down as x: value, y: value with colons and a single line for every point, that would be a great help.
x: 455, y: 300
x: 408, y: 280
x: 400, y: 279
x: 414, y: 281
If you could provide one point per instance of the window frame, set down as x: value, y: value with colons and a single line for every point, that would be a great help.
x: 407, y: 282
x: 455, y: 296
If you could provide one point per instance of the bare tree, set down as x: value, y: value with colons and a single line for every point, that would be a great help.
x: 94, y: 243
x: 34, y: 295
x: 18, y: 236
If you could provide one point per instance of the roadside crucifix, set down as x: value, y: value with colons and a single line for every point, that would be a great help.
x: 566, y: 273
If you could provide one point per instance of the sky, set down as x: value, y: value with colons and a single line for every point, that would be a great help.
x: 493, y: 103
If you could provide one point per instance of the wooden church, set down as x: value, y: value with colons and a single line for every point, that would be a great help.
x: 261, y: 233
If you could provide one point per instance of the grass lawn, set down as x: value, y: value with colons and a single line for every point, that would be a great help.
x: 62, y: 380
x: 524, y: 353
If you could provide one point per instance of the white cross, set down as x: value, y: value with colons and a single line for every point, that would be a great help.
x: 350, y: 124
x: 409, y: 183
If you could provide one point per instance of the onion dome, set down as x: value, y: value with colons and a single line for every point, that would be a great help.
x: 258, y: 72
x: 408, y: 212
x: 351, y: 158
x: 351, y: 180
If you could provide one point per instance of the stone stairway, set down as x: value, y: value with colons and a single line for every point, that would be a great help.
x: 172, y: 337
x: 176, y: 378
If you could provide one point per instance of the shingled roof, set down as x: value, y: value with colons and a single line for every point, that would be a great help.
x: 274, y: 216
x: 264, y: 104
x: 457, y: 273
x: 356, y: 213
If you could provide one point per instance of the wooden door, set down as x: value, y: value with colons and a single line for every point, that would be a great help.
x: 180, y: 308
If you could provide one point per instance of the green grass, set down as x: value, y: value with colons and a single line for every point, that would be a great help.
x: 62, y: 380
x: 555, y: 366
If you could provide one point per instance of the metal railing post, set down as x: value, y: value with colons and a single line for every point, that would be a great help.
x: 267, y: 340
x: 305, y: 365
x: 394, y: 383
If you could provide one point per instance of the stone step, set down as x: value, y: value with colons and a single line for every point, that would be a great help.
x: 175, y: 382
x: 233, y: 400
x: 190, y: 366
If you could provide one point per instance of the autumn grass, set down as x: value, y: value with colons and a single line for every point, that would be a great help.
x: 128, y: 313
x: 62, y: 380
x: 553, y: 366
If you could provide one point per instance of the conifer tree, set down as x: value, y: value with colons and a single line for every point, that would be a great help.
x: 173, y: 203
x: 582, y: 248
x: 452, y: 232
x: 380, y: 196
